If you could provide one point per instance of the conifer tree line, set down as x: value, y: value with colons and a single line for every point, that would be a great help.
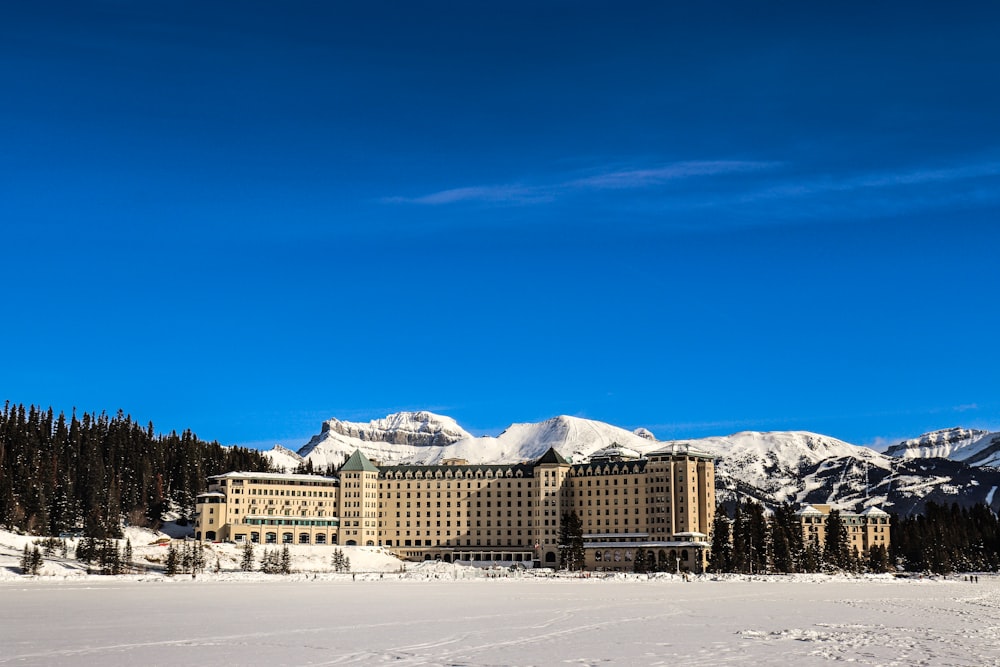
x: 948, y: 539
x: 94, y: 472
x: 752, y: 543
x: 942, y: 540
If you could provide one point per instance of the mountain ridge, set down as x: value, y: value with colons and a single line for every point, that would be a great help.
x: 771, y: 466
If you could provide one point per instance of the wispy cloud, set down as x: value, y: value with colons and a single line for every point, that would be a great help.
x: 876, y: 181
x: 482, y: 193
x: 618, y: 179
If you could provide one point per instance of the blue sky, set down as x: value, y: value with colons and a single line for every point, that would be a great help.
x: 245, y: 218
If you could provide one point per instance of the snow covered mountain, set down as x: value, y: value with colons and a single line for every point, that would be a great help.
x: 974, y: 447
x: 774, y: 467
x: 424, y: 438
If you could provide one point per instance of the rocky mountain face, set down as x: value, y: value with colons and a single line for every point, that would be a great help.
x: 975, y: 447
x: 416, y: 429
x: 955, y: 465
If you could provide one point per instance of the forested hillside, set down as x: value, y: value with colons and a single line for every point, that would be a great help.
x: 96, y: 471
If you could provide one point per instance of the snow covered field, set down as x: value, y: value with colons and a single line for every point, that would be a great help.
x: 515, y: 621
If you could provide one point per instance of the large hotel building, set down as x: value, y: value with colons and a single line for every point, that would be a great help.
x: 661, y: 503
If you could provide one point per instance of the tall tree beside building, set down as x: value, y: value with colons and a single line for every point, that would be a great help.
x: 721, y: 557
x: 786, y: 540
x: 571, y: 552
x: 836, y: 550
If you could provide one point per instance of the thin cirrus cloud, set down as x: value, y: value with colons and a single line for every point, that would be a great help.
x: 878, y: 181
x: 622, y: 179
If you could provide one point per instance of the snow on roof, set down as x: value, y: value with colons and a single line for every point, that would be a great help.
x: 874, y: 511
x: 275, y: 476
x: 644, y: 545
x: 681, y: 449
x: 809, y: 510
x: 616, y: 451
x: 693, y: 534
x: 214, y: 494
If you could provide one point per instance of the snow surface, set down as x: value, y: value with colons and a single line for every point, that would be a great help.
x: 500, y: 621
x: 307, y: 560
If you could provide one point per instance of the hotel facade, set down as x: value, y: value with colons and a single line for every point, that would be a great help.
x: 865, y: 529
x: 661, y: 503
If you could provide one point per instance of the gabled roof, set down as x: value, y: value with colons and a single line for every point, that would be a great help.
x: 358, y: 462
x: 550, y: 457
x: 874, y: 511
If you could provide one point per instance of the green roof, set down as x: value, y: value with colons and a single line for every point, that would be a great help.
x: 358, y: 463
x: 552, y: 456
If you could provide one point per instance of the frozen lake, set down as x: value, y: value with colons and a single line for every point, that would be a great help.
x: 498, y: 622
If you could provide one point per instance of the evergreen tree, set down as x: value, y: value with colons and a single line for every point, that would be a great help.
x: 812, y: 558
x: 641, y: 563
x: 758, y: 544
x: 173, y: 561
x: 878, y: 559
x: 721, y: 556
x: 127, y: 555
x: 571, y: 552
x: 836, y: 550
x: 246, y: 562
x: 786, y: 540
x: 286, y: 560
x: 26, y: 561
x: 337, y: 560
x: 741, y: 546
x: 187, y: 558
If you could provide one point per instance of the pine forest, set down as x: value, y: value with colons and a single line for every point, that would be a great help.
x: 94, y: 473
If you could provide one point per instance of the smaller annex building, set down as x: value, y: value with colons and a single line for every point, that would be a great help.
x: 661, y: 503
x: 865, y: 529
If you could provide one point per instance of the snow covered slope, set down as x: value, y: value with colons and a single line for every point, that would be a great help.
x: 426, y: 438
x: 792, y: 466
x: 974, y: 447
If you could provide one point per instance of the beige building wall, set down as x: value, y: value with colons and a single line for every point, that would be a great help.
x: 864, y: 530
x: 460, y: 512
x: 269, y: 508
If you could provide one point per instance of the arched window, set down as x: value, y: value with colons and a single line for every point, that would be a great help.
x: 210, y: 535
x: 351, y: 543
x: 271, y: 538
x: 255, y: 538
x: 684, y: 555
x: 303, y: 538
x: 320, y: 538
x: 286, y: 538
x: 550, y: 557
x: 597, y: 555
x: 370, y: 543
